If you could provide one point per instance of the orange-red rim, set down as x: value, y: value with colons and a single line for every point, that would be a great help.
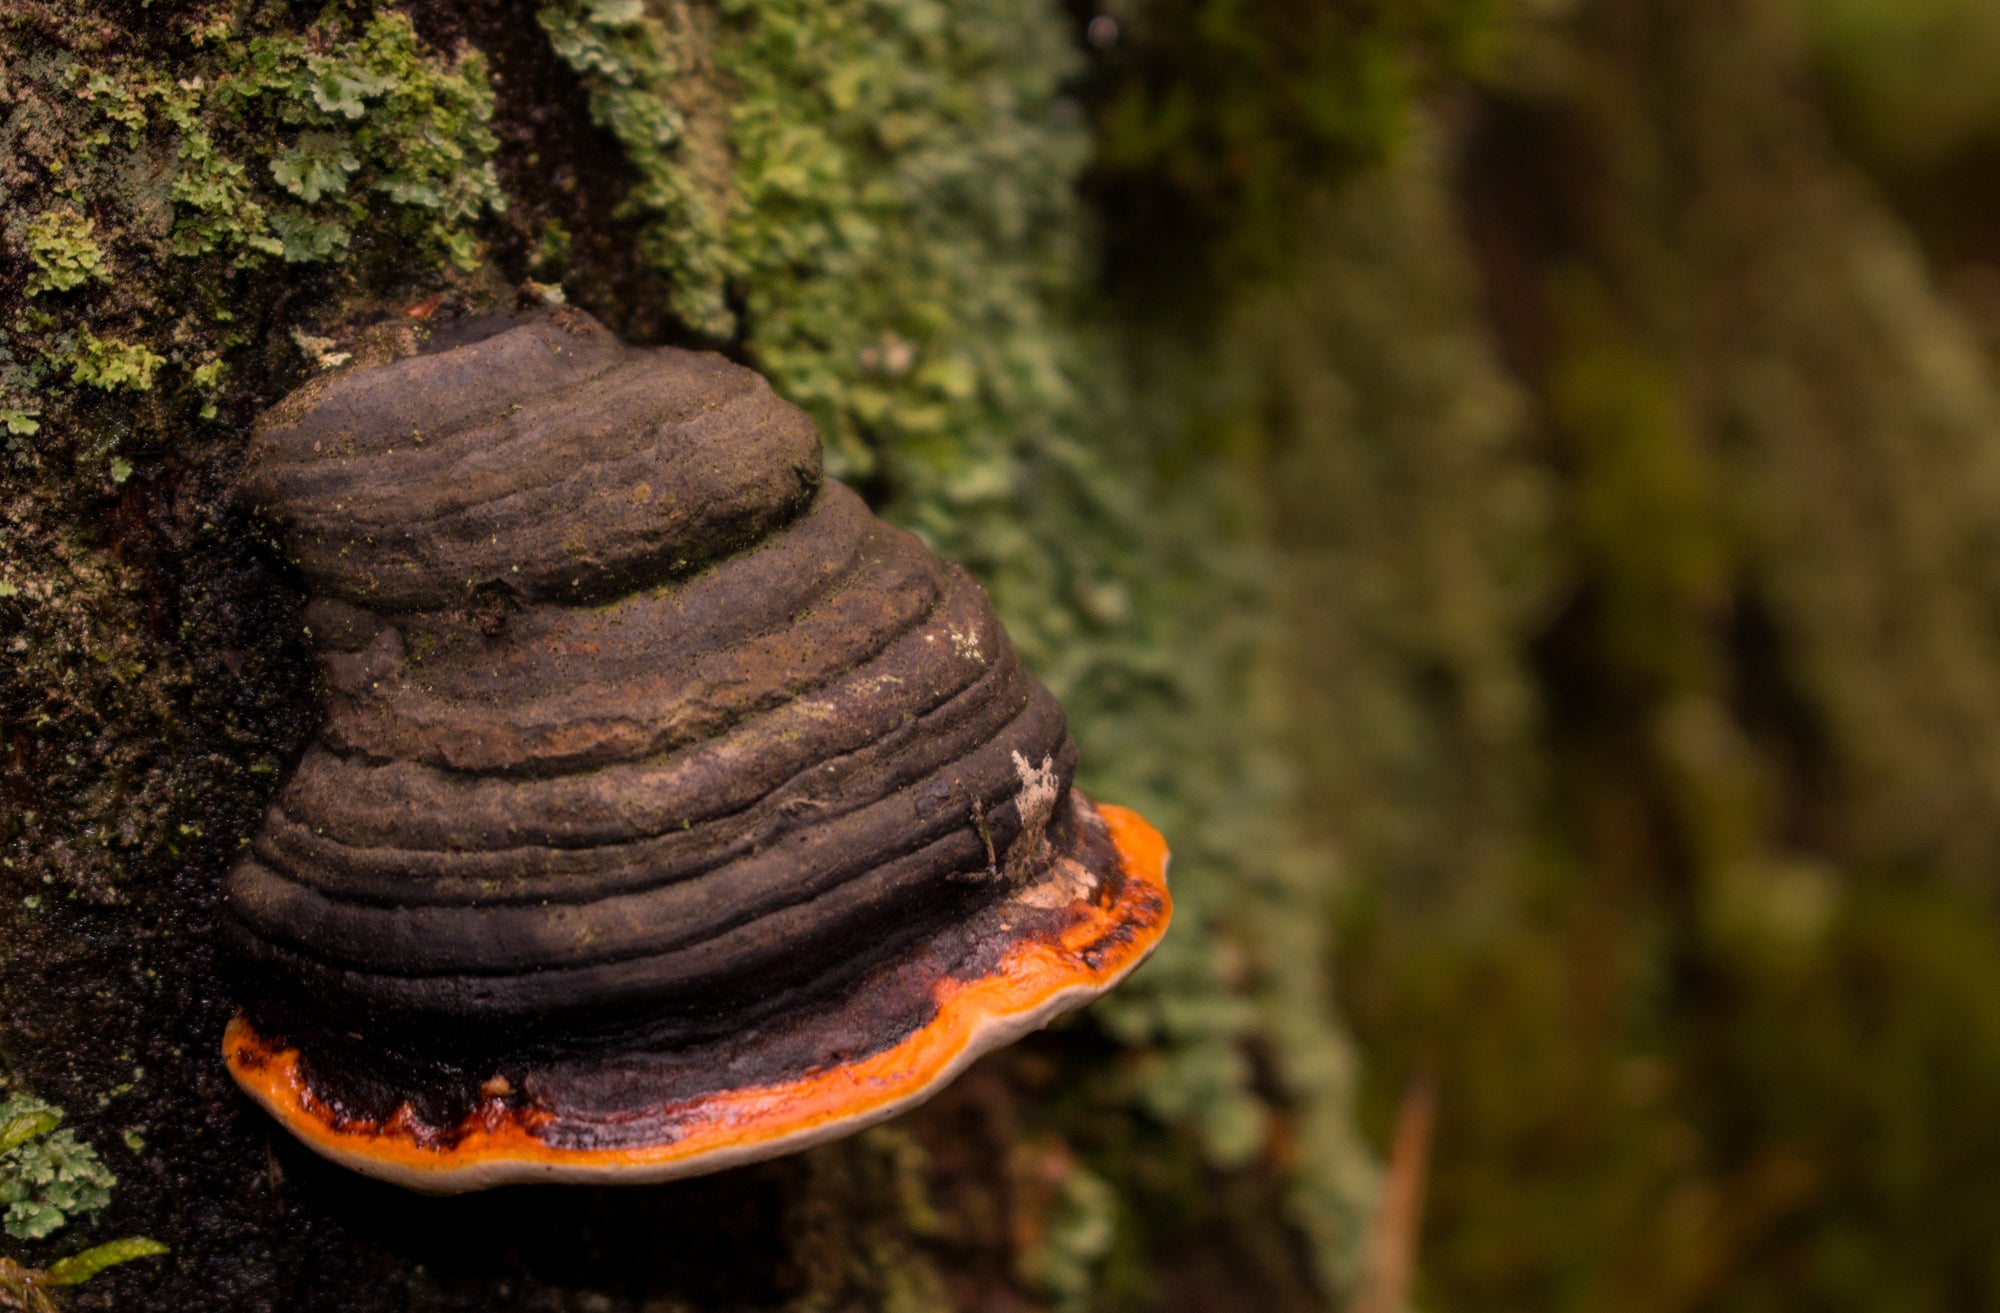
x: 1036, y: 980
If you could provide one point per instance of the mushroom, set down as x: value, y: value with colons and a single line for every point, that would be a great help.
x: 671, y: 811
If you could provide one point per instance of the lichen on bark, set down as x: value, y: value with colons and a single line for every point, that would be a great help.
x: 878, y: 205
x: 893, y: 213
x: 162, y: 185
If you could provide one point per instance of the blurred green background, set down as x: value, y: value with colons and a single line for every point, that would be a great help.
x: 1624, y: 382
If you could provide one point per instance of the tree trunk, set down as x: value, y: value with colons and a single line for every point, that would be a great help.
x: 878, y: 205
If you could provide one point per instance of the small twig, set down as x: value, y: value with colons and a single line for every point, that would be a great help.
x: 1392, y: 1249
x: 986, y: 835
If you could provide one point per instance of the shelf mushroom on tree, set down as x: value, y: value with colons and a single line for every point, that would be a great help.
x: 671, y: 810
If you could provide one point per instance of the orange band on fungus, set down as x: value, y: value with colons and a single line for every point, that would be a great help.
x: 1040, y: 976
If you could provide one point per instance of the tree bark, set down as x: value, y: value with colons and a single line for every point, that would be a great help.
x: 880, y: 207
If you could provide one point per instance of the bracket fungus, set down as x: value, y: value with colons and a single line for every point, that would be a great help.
x: 670, y: 811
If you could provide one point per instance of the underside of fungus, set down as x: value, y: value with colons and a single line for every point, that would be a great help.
x: 670, y: 811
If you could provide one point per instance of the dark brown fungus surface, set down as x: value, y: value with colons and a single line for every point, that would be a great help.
x: 670, y: 810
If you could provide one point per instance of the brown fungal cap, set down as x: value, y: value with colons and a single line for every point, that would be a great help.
x: 657, y: 776
x: 546, y: 460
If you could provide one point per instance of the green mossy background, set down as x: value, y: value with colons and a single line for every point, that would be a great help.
x: 1508, y: 486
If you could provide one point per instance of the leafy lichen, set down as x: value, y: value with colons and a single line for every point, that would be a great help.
x: 110, y: 365
x: 47, y: 1176
x: 165, y: 184
x: 62, y: 246
x: 642, y: 64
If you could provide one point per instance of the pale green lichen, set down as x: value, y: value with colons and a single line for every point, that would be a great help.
x: 62, y: 246
x: 111, y: 365
x: 47, y: 1176
x: 892, y: 214
x: 379, y: 110
x: 641, y: 64
x: 257, y: 143
x: 886, y: 194
x: 200, y: 164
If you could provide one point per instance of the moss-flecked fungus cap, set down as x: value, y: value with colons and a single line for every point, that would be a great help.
x: 671, y: 811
